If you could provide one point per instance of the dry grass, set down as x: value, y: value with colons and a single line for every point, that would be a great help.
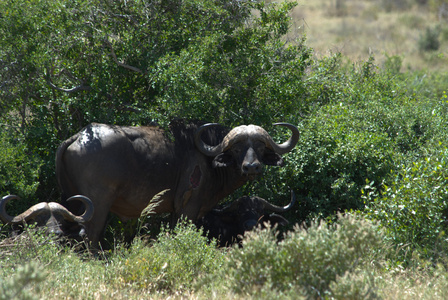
x: 359, y: 29
x: 413, y: 284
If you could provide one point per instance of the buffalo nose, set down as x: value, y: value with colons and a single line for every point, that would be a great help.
x: 82, y: 233
x: 251, y: 168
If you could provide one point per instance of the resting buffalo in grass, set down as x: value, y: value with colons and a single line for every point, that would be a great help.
x: 54, y: 217
x: 228, y: 224
x: 121, y: 168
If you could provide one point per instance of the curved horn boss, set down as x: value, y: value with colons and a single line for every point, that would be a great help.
x: 279, y: 209
x: 289, y: 144
x: 46, y: 207
x: 30, y: 213
x: 85, y: 217
x: 238, y: 132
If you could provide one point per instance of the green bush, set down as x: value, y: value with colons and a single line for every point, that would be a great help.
x: 19, y: 170
x: 133, y: 63
x: 306, y: 263
x: 343, y: 142
x: 248, y: 76
x: 414, y: 207
x: 411, y: 205
x: 339, y: 150
x: 429, y: 41
x: 393, y: 64
x: 427, y: 85
x: 173, y: 262
x: 366, y: 123
x: 24, y: 284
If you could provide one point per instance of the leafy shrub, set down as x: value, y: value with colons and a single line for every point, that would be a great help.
x: 393, y: 64
x: 429, y: 41
x: 173, y: 262
x: 19, y: 170
x: 428, y: 85
x: 249, y: 76
x: 366, y: 123
x: 354, y: 285
x: 201, y: 59
x: 307, y: 261
x: 339, y: 150
x: 414, y: 207
x: 24, y: 284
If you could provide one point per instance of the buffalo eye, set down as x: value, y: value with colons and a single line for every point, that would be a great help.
x: 223, y: 160
x: 271, y: 158
x: 259, y: 147
x: 237, y: 149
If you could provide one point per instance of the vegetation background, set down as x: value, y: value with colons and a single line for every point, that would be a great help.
x: 365, y: 82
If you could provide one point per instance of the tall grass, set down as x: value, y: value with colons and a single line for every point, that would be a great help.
x: 342, y: 260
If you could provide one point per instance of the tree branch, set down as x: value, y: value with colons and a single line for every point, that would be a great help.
x: 120, y: 63
x: 72, y: 90
x: 81, y: 87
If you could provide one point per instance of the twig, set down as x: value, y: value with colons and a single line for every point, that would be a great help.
x: 72, y: 90
x: 120, y: 63
x: 81, y: 87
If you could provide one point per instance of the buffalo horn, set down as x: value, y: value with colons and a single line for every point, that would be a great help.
x: 279, y: 209
x: 85, y: 217
x: 203, y: 147
x: 289, y: 144
x: 215, y: 150
x: 4, y: 217
x: 30, y: 213
x: 42, y: 207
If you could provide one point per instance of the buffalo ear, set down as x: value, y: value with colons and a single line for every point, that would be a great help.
x: 222, y: 160
x: 270, y: 158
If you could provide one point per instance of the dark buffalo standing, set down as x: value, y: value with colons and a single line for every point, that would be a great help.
x: 53, y: 216
x: 122, y: 168
x: 228, y: 224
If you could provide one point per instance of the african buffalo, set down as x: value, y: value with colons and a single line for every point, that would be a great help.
x: 228, y: 224
x: 53, y: 216
x: 121, y: 168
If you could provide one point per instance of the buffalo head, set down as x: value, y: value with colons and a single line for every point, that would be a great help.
x: 229, y: 223
x: 54, y: 217
x: 248, y: 147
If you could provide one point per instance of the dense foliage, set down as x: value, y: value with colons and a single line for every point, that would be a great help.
x: 133, y: 62
x: 19, y: 168
x: 373, y: 140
